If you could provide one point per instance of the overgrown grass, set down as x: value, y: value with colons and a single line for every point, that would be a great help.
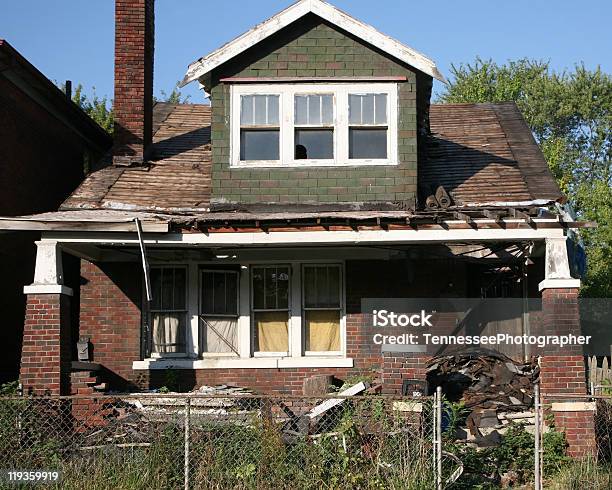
x: 582, y: 475
x: 365, y: 446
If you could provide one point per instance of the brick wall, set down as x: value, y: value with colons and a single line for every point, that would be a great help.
x: 45, y: 358
x: 314, y: 48
x: 110, y: 315
x: 133, y: 102
x: 564, y: 373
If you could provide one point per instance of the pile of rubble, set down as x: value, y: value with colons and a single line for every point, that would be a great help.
x: 494, y: 391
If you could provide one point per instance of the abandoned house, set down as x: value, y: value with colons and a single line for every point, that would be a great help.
x: 45, y: 141
x: 235, y: 242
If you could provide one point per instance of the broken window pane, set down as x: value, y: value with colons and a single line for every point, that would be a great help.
x: 367, y: 143
x: 314, y: 144
x: 219, y: 311
x: 259, y: 144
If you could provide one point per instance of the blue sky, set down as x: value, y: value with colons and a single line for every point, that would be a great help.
x: 73, y: 39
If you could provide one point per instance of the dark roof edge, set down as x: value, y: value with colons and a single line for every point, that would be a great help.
x: 540, y: 182
x: 37, y: 86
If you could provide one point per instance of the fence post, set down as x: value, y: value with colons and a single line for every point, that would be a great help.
x: 538, y: 438
x: 187, y: 423
x: 438, y: 437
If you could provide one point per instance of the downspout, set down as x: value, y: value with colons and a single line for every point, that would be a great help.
x: 525, y: 287
x: 146, y: 345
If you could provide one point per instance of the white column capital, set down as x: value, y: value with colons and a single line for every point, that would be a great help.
x: 557, y: 269
x: 49, y: 274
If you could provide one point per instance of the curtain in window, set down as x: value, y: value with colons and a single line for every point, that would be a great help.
x: 322, y: 331
x: 272, y: 330
x: 168, y: 333
x: 221, y: 334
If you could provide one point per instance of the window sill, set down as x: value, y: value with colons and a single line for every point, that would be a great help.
x: 244, y: 363
x: 313, y: 164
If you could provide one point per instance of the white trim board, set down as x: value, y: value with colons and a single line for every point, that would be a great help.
x: 340, y: 126
x: 309, y: 238
x: 245, y: 363
x: 367, y: 33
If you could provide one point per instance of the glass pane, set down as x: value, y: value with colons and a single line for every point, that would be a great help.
x: 271, y: 289
x: 219, y: 292
x: 246, y: 109
x: 180, y: 294
x: 301, y: 109
x: 260, y: 109
x: 271, y: 331
x: 332, y: 279
x: 367, y: 143
x: 322, y: 287
x: 231, y: 285
x: 282, y: 284
x: 272, y: 109
x: 314, y: 109
x: 169, y: 332
x: 322, y: 330
x: 367, y: 109
x: 310, y: 287
x: 380, y: 101
x: 314, y: 144
x: 167, y: 300
x: 208, y: 292
x: 258, y: 288
x: 220, y: 334
x: 257, y: 144
x: 354, y: 109
x: 327, y: 109
x: 156, y: 277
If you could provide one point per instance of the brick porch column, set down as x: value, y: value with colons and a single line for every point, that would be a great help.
x: 46, y: 355
x: 564, y: 373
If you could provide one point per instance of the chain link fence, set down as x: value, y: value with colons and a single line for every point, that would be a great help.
x: 209, y: 441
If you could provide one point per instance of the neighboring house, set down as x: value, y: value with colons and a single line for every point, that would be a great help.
x: 44, y: 141
x: 270, y: 215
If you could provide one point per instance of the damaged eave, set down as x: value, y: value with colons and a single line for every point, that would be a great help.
x: 367, y: 33
x: 22, y: 224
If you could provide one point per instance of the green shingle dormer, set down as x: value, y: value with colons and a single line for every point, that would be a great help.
x: 314, y: 107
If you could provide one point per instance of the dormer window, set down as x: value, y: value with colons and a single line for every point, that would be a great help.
x: 316, y: 124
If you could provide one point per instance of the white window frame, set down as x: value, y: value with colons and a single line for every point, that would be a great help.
x: 186, y: 311
x: 289, y: 311
x: 341, y: 309
x: 201, y: 272
x: 296, y: 356
x: 286, y: 93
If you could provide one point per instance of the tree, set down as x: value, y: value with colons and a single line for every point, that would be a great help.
x: 100, y: 109
x: 570, y: 115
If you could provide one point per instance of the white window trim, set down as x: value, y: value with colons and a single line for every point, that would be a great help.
x: 296, y: 357
x: 189, y: 338
x: 290, y: 309
x: 342, y: 310
x: 200, y: 272
x: 286, y: 105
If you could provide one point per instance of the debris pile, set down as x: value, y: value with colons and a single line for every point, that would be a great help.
x: 494, y: 391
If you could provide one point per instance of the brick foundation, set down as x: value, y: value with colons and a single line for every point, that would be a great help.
x: 45, y: 358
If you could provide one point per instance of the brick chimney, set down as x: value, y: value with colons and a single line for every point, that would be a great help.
x: 133, y: 104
